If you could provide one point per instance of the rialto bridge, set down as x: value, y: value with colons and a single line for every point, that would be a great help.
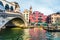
x: 10, y: 15
x: 12, y: 20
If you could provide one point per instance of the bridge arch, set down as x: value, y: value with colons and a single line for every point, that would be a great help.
x: 15, y: 22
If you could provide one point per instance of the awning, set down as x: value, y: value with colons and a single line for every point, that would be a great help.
x: 44, y: 24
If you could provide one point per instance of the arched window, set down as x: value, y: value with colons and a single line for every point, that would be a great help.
x: 11, y: 8
x: 6, y: 7
x: 1, y: 3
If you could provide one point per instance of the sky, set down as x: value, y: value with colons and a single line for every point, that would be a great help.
x: 44, y: 6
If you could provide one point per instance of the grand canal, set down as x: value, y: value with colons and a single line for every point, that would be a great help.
x: 11, y: 34
x: 21, y: 34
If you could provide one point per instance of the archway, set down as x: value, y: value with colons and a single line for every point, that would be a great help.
x: 6, y: 7
x: 2, y: 9
x: 11, y: 8
x: 1, y: 3
x: 16, y: 22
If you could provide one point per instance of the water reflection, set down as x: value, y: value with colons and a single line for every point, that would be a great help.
x: 33, y: 34
x: 53, y: 35
x: 11, y: 34
x: 37, y: 34
x: 49, y: 36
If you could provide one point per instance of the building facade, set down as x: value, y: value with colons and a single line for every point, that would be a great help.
x: 26, y: 15
x: 10, y: 6
x: 54, y: 18
x: 37, y: 17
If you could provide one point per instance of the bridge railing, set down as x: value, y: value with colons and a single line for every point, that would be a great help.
x: 10, y: 14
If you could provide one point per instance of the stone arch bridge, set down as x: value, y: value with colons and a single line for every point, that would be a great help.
x: 17, y: 19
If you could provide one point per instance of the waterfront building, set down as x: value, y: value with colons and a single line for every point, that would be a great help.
x: 26, y: 15
x: 37, y: 18
x: 10, y: 6
x: 54, y: 18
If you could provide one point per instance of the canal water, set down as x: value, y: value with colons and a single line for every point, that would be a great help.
x: 27, y: 34
x: 11, y: 34
x: 53, y: 35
